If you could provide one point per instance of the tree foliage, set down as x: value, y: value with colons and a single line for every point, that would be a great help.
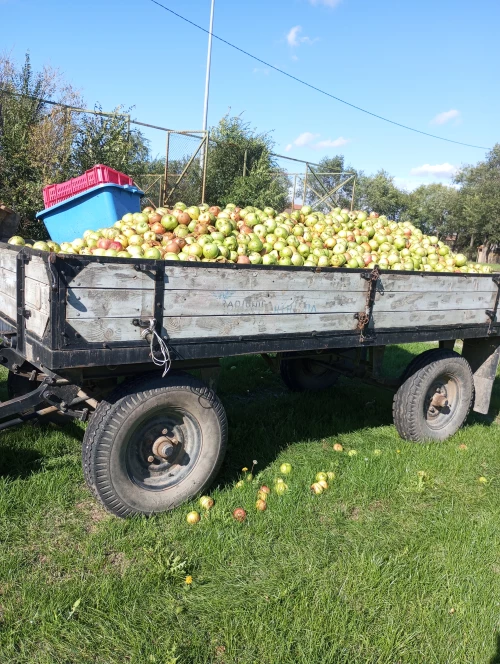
x: 35, y: 139
x: 479, y: 199
x: 42, y: 143
x: 108, y: 139
x: 378, y: 192
x: 263, y: 182
x: 434, y: 209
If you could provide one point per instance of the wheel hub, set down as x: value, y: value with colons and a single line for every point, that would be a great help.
x: 163, y: 448
x: 440, y: 401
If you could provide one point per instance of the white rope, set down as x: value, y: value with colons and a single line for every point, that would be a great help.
x: 164, y: 361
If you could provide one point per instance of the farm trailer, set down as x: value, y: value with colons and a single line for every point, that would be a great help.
x: 91, y: 337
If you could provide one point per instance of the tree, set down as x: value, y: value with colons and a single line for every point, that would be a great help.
x: 479, y: 200
x: 108, y: 139
x: 433, y: 208
x: 378, y: 192
x: 35, y: 138
x: 261, y: 184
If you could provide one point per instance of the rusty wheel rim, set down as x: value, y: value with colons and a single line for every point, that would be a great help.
x: 441, y: 401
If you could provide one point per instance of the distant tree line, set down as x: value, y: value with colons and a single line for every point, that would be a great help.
x: 42, y: 144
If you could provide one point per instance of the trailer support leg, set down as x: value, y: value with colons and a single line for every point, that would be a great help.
x: 483, y: 356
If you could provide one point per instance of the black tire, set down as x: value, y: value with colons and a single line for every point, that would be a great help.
x: 305, y: 374
x: 442, y: 374
x: 417, y: 363
x: 119, y: 464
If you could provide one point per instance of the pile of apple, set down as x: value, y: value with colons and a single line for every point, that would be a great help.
x: 263, y: 237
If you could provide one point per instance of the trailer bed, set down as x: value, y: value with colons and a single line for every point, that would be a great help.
x: 75, y: 311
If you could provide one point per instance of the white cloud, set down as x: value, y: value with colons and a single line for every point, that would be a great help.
x: 294, y: 40
x: 308, y: 138
x: 305, y: 139
x: 445, y: 170
x: 292, y: 36
x: 261, y: 70
x: 328, y: 143
x: 446, y: 116
x: 327, y: 3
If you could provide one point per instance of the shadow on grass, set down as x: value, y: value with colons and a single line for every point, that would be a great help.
x: 17, y: 460
x: 265, y: 418
x: 496, y: 657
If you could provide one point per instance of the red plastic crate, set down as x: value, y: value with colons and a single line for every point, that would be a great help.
x: 99, y: 174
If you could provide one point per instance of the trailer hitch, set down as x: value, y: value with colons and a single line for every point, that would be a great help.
x: 30, y: 400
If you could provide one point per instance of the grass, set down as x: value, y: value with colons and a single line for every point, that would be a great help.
x: 384, y: 568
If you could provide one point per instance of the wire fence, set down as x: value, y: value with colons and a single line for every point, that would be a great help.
x: 185, y: 170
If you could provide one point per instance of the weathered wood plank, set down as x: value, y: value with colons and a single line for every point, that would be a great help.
x: 109, y: 303
x: 414, y: 319
x: 106, y: 329
x: 244, y: 302
x: 37, y: 269
x: 36, y: 323
x: 213, y: 279
x: 236, y: 302
x: 8, y: 259
x: 220, y: 326
x: 116, y: 275
x: 435, y: 301
x: 176, y: 328
x: 428, y: 282
x: 37, y: 294
x: 179, y: 277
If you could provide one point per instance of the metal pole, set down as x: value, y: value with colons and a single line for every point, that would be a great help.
x: 165, y: 184
x: 209, y: 57
x: 305, y: 186
x: 204, y: 171
x: 353, y: 190
x: 245, y: 163
x: 293, y: 194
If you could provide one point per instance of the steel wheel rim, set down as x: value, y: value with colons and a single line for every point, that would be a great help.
x: 444, y: 388
x: 145, y: 466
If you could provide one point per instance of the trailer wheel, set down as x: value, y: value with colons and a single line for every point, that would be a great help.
x: 153, y: 443
x: 435, y: 399
x: 307, y: 374
x: 417, y: 363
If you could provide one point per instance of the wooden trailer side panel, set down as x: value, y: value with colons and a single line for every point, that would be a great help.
x: 104, y: 299
x: 37, y: 291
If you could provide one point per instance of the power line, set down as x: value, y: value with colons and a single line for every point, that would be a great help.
x: 313, y: 87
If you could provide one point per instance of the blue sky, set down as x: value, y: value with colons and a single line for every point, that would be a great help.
x: 430, y: 64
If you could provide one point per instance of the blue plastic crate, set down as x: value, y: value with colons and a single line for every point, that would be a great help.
x: 94, y: 208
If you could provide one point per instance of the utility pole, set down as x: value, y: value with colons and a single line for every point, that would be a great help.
x: 204, y: 150
x: 209, y: 58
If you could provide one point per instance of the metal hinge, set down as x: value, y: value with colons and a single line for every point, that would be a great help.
x: 26, y: 313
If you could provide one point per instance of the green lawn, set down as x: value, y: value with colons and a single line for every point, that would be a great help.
x: 383, y: 568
